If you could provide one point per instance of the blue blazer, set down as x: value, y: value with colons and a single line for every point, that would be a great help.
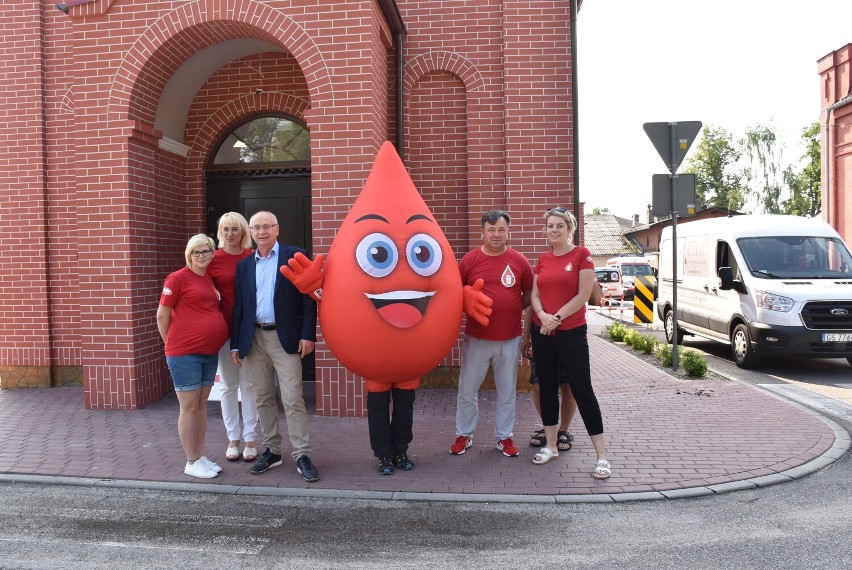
x: 295, y: 313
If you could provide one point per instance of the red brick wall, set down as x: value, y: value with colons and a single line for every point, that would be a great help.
x: 24, y: 287
x: 107, y: 213
x: 835, y: 71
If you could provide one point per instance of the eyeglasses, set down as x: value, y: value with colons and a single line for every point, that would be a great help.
x: 264, y: 227
x: 202, y: 253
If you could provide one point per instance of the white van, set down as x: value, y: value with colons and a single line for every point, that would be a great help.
x: 766, y: 284
x: 631, y: 267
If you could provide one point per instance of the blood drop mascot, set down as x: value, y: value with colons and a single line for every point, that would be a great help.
x: 392, y: 300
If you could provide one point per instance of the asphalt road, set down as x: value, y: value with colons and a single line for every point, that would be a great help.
x: 803, y: 524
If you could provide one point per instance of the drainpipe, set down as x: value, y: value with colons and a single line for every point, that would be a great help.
x: 845, y: 101
x: 400, y: 132
x: 576, y: 137
x: 397, y: 28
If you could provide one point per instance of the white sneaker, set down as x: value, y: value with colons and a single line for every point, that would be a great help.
x: 199, y: 469
x: 209, y: 464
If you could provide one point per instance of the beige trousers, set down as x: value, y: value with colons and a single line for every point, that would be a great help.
x: 265, y: 358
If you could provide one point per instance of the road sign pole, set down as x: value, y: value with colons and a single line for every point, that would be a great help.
x: 673, y: 173
x: 672, y: 141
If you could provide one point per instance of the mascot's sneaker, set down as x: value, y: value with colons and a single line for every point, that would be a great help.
x: 402, y: 461
x: 384, y: 467
x: 461, y: 444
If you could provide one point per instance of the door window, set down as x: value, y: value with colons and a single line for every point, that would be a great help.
x: 265, y: 140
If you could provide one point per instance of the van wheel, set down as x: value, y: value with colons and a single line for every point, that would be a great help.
x: 744, y: 354
x: 669, y: 322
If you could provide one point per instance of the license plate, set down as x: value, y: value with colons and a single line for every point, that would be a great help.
x: 837, y: 337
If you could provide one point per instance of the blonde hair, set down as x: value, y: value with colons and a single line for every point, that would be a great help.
x: 230, y: 219
x: 565, y: 215
x: 195, y: 241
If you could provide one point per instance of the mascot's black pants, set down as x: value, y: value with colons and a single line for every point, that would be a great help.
x: 390, y: 432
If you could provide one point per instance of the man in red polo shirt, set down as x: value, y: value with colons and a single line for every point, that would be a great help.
x: 508, y: 281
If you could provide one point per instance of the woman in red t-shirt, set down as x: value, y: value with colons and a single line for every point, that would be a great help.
x: 234, y: 246
x: 562, y: 285
x: 193, y: 328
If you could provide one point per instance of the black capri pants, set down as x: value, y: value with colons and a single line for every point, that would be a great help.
x: 569, y: 350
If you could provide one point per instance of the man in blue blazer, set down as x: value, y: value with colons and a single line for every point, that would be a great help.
x: 274, y: 327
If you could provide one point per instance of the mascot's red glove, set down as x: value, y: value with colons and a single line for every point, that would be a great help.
x: 305, y: 274
x: 477, y: 305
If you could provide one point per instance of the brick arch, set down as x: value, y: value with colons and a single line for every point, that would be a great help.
x: 171, y: 40
x: 451, y: 62
x: 227, y: 117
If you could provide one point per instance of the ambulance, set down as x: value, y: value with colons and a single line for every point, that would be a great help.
x: 630, y: 268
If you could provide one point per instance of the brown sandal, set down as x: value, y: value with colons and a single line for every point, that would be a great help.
x: 538, y: 439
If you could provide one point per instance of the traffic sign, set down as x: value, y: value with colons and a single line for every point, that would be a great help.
x: 643, y: 299
x: 661, y: 195
x: 662, y: 135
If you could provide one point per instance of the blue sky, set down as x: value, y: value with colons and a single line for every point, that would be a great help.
x: 728, y: 63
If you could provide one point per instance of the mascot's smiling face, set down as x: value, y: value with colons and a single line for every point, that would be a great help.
x: 392, y: 293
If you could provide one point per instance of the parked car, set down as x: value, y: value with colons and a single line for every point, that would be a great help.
x: 611, y: 284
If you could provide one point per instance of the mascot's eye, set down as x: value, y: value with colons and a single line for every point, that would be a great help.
x: 424, y: 254
x: 377, y: 255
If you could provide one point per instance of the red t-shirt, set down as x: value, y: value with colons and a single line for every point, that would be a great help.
x: 507, y: 276
x: 558, y: 280
x: 222, y: 269
x: 197, y: 325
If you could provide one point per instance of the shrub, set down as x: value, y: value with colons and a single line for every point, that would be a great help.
x: 694, y: 364
x: 616, y: 331
x: 645, y: 343
x: 664, y: 354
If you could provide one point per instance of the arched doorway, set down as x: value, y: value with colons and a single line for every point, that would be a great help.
x: 264, y: 164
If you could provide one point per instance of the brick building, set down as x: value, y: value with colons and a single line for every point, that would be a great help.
x: 835, y: 70
x: 129, y: 126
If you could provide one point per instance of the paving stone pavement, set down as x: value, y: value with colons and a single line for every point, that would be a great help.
x: 666, y: 438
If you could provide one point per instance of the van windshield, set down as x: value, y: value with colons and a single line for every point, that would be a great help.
x: 796, y: 257
x: 634, y: 270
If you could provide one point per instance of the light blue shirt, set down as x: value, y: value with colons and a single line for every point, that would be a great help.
x: 266, y: 271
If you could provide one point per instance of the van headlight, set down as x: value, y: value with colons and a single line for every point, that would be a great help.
x: 772, y: 302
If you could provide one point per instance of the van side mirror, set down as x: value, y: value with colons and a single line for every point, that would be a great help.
x: 726, y: 277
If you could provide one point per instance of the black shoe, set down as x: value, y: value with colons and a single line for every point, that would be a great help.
x: 265, y: 462
x: 401, y: 461
x: 385, y: 467
x: 307, y: 469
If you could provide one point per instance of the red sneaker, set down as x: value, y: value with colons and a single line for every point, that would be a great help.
x: 508, y: 447
x: 460, y: 445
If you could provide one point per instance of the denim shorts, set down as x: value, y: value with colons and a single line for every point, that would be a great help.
x: 192, y: 371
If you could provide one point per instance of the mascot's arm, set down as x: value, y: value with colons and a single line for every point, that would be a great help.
x: 477, y: 305
x: 305, y: 274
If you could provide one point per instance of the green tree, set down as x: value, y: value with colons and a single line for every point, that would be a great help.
x: 764, y: 150
x: 806, y: 196
x: 599, y: 211
x: 719, y: 180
